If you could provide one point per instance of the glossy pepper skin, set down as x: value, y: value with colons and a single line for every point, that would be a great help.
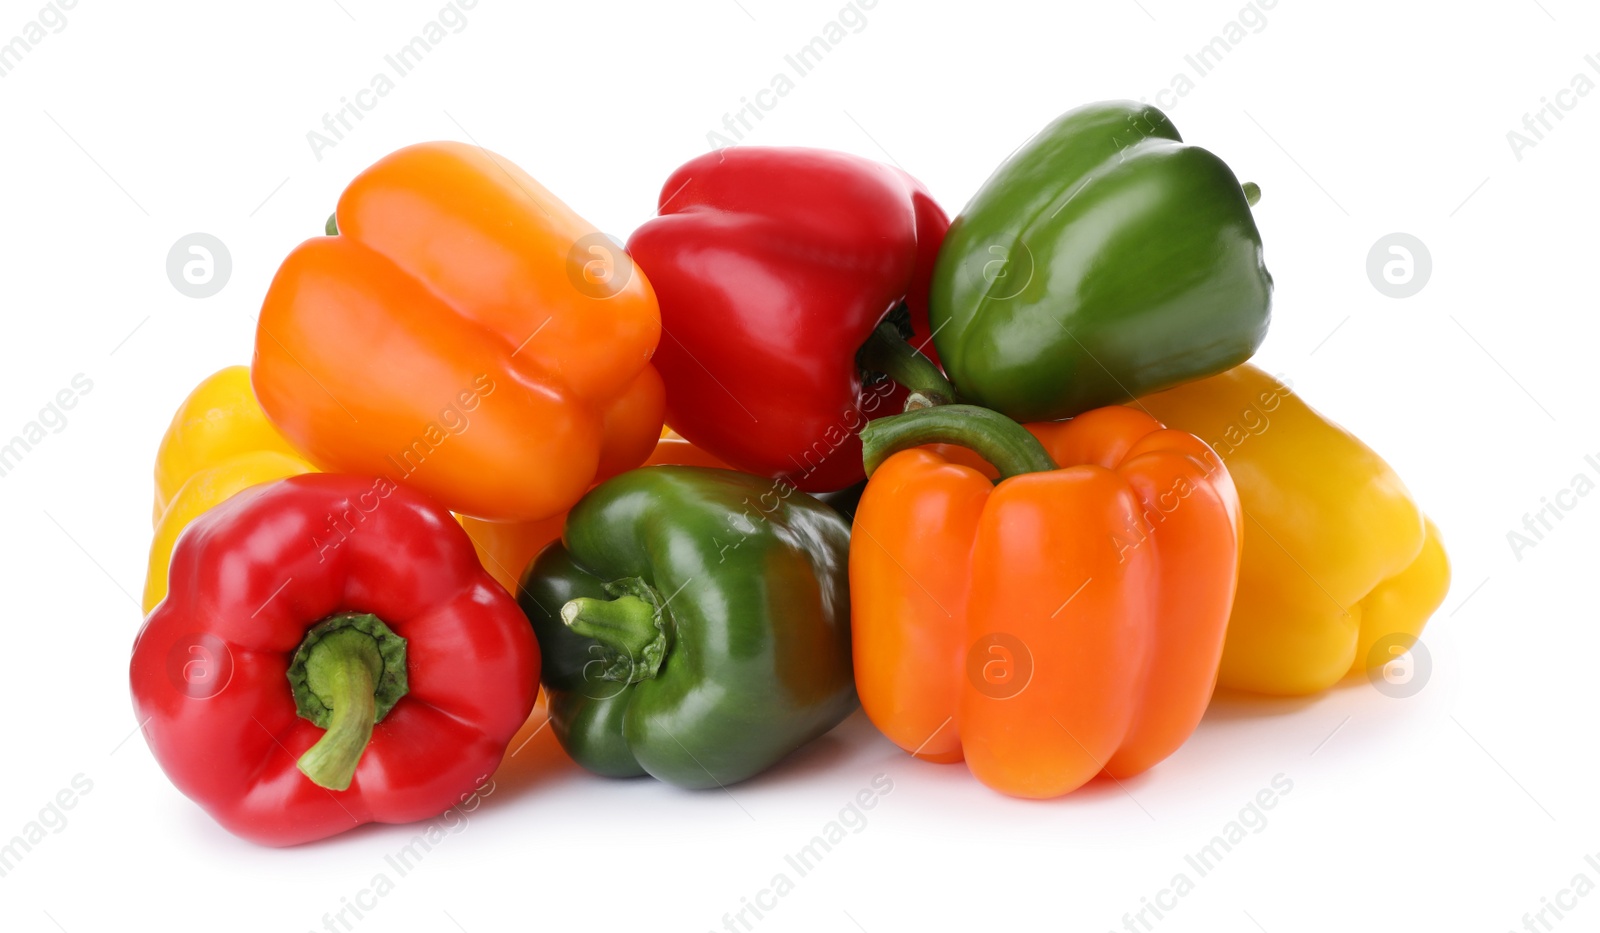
x: 1063, y: 622
x: 1341, y: 568
x: 506, y: 548
x: 695, y: 625
x: 1104, y: 260
x: 373, y: 594
x: 773, y: 266
x: 465, y: 333
x: 219, y: 442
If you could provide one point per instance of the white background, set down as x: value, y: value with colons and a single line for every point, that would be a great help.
x: 1457, y: 809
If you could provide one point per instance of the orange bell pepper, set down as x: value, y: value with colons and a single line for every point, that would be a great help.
x: 506, y: 548
x: 465, y: 333
x: 1064, y: 621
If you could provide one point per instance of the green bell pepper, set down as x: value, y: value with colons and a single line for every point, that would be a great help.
x: 1103, y: 261
x: 694, y: 625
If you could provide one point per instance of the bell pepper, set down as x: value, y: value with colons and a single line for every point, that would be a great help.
x: 774, y: 269
x: 506, y: 548
x: 695, y: 625
x: 1341, y: 568
x: 1063, y: 622
x: 1104, y: 260
x: 330, y: 654
x: 466, y: 334
x: 219, y: 442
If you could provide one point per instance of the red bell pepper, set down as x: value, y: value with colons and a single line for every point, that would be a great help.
x: 773, y: 268
x: 339, y: 603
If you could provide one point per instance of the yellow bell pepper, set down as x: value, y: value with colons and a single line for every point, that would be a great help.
x: 219, y: 443
x: 1337, y: 556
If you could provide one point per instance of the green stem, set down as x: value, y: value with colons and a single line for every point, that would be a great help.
x: 631, y: 629
x: 989, y: 434
x: 343, y: 670
x: 347, y: 674
x: 626, y: 623
x: 332, y: 226
x: 1252, y: 193
x: 887, y: 352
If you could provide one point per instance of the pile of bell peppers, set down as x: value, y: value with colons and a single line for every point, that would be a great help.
x: 1007, y: 482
